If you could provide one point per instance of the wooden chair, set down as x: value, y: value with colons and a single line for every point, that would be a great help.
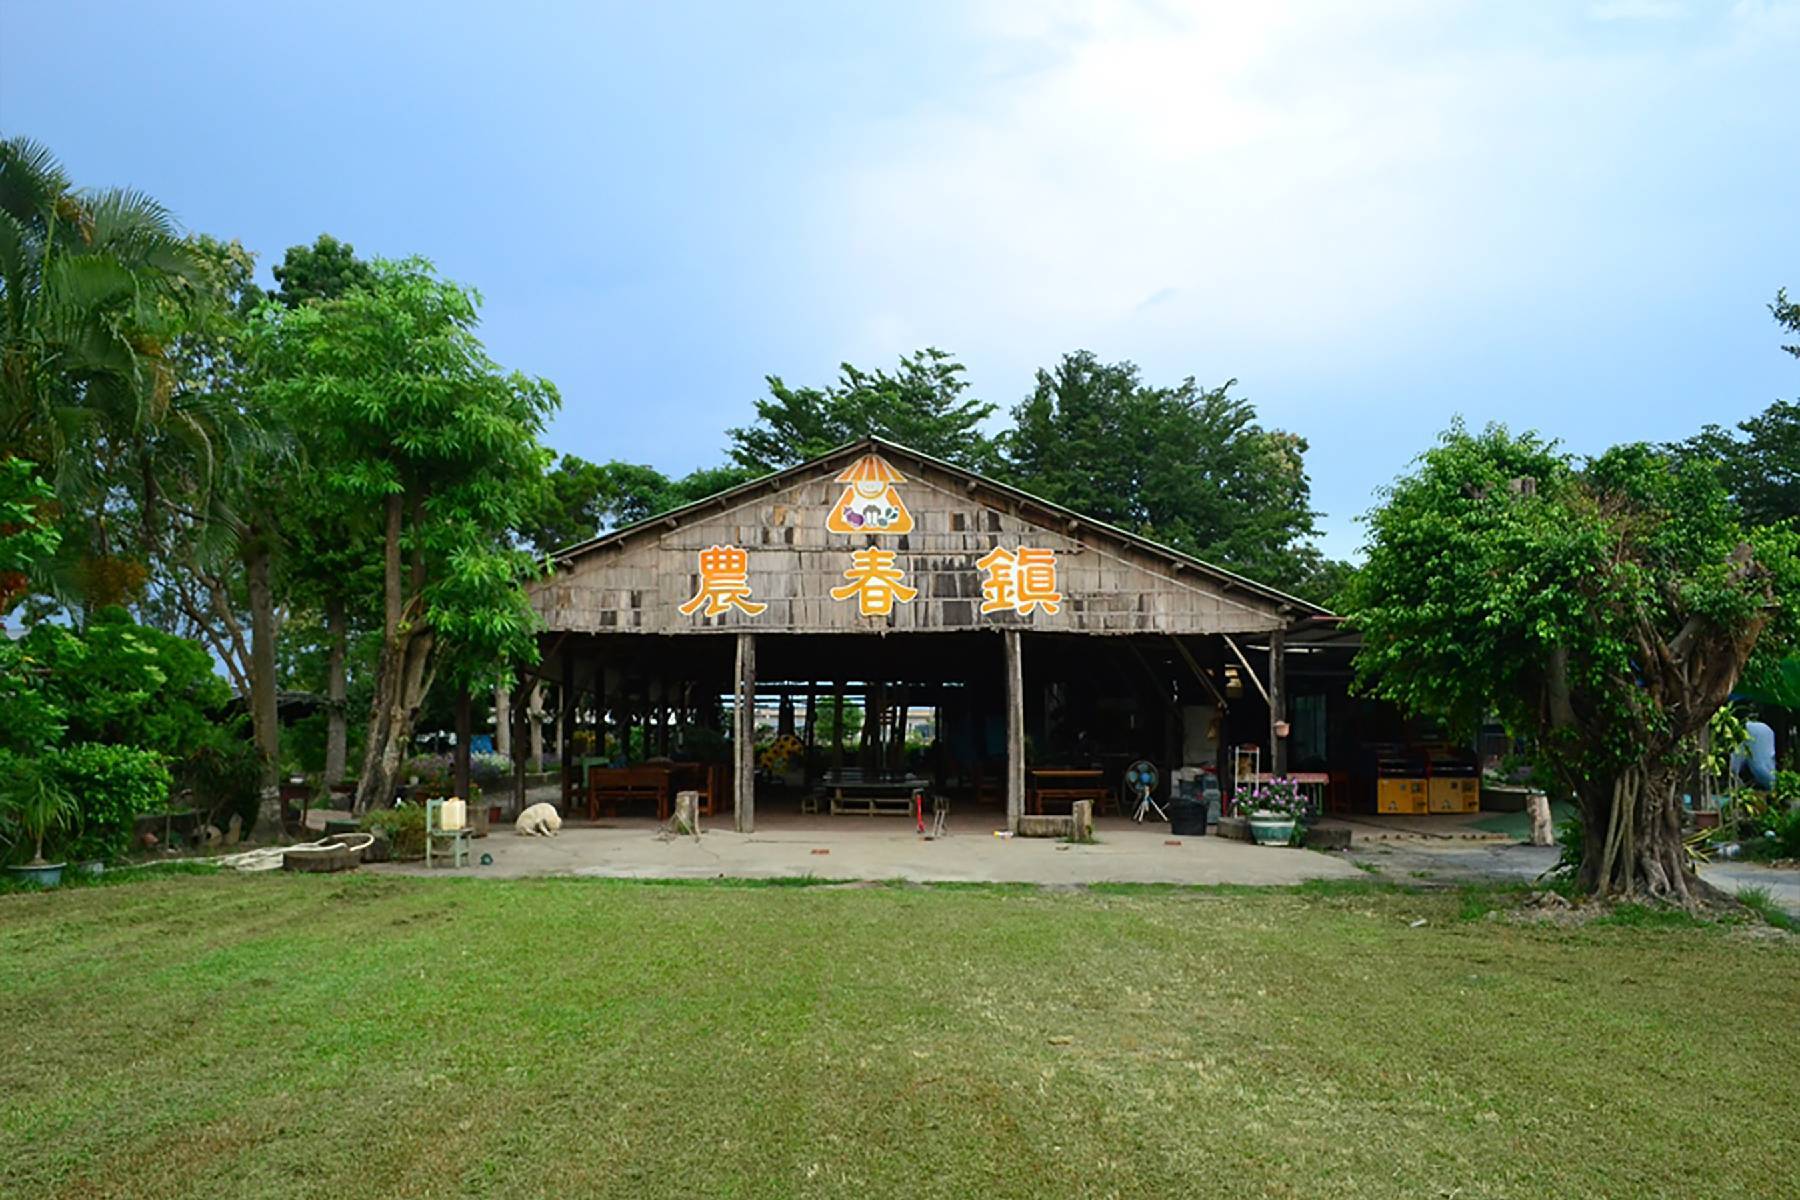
x: 434, y: 830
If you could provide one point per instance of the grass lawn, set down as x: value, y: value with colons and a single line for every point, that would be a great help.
x: 385, y: 1037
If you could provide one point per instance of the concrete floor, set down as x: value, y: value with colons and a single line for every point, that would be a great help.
x: 853, y: 848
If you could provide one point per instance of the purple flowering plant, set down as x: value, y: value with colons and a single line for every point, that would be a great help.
x: 1281, y: 797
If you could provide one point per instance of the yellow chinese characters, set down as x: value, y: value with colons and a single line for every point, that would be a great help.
x: 724, y: 583
x: 1020, y: 581
x: 874, y: 582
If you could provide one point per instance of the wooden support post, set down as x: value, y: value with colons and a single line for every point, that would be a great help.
x: 1015, y: 731
x: 519, y: 748
x: 743, y: 735
x: 1277, y: 702
x: 837, y: 726
x: 812, y: 719
x: 566, y: 742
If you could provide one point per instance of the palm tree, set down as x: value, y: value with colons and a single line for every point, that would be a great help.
x: 95, y: 287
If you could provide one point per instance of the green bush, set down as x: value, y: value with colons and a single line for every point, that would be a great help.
x: 111, y: 786
x: 404, y: 827
x: 222, y: 777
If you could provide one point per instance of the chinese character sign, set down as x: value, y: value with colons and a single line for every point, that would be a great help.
x: 724, y: 583
x: 1020, y: 581
x: 870, y: 503
x: 875, y: 583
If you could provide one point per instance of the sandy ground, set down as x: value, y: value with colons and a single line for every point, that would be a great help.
x: 890, y: 848
x: 1455, y: 860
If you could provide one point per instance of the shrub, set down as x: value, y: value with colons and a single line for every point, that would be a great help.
x: 223, y: 776
x: 404, y: 827
x: 111, y: 786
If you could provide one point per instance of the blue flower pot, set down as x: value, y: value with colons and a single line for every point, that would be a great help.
x: 45, y: 875
x: 1272, y: 831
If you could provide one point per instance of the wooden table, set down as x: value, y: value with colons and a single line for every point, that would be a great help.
x: 873, y: 795
x: 613, y: 784
x: 1060, y: 784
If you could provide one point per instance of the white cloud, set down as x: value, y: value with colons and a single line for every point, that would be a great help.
x: 1268, y: 174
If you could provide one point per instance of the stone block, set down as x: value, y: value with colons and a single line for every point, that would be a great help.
x: 1327, y: 839
x: 1046, y: 825
x: 1234, y: 827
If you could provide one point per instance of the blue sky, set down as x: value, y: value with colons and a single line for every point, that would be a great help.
x: 1376, y: 216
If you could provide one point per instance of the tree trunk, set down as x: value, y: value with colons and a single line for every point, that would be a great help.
x: 1631, y: 838
x: 264, y: 724
x: 401, y: 683
x: 465, y: 729
x: 337, y: 724
x: 502, y: 721
x: 402, y: 677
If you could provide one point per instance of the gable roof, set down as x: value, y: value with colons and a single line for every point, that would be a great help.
x: 1018, y: 497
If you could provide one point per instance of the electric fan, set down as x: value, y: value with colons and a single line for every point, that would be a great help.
x: 1140, y: 781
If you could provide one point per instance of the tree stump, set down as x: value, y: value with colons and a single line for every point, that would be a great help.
x: 687, y: 812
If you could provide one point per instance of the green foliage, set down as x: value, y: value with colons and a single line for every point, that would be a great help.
x: 35, y: 804
x: 1787, y: 315
x: 1186, y: 466
x: 579, y: 499
x: 1499, y: 559
x: 404, y: 827
x: 111, y: 786
x: 94, y: 287
x: 1759, y: 461
x: 1726, y: 735
x: 222, y: 777
x: 326, y: 270
x: 922, y: 405
x: 401, y: 401
x: 28, y: 535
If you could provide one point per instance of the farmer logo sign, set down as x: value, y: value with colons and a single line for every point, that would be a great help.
x: 870, y: 503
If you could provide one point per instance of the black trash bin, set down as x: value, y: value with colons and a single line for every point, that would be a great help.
x: 1187, y: 817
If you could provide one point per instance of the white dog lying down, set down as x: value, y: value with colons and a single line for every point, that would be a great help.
x: 540, y: 820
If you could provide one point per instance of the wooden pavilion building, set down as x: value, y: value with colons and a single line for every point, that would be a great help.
x: 879, y: 578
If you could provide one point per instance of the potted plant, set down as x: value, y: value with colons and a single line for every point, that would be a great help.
x: 37, y: 802
x: 1276, y: 809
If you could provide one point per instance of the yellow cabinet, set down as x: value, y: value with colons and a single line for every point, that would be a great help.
x: 1400, y: 796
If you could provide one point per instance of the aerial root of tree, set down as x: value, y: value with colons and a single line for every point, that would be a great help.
x: 1641, y: 855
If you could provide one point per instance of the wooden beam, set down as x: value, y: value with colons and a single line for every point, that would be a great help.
x: 1246, y: 663
x: 1015, y: 730
x: 743, y: 734
x: 1187, y: 656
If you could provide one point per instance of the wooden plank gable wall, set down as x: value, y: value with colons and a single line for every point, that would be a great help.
x: 1109, y: 586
